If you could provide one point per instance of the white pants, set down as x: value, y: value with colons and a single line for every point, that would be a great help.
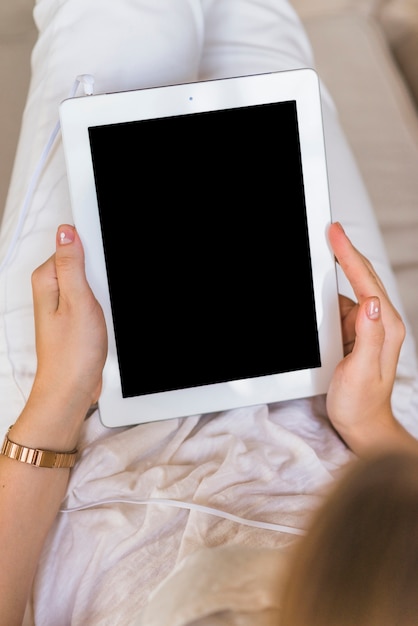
x: 131, y: 44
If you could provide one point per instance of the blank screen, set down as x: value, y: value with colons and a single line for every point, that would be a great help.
x: 206, y: 246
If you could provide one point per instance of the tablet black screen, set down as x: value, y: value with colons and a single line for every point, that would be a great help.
x: 206, y: 245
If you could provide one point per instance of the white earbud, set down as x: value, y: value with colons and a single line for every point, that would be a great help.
x: 87, y: 80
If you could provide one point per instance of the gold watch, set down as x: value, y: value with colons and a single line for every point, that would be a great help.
x: 36, y: 457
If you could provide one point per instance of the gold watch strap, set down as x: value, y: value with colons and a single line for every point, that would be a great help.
x: 36, y: 457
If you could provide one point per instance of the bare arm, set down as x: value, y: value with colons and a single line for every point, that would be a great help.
x: 71, y: 348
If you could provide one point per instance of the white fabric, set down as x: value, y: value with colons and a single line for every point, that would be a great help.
x: 103, y: 565
x: 243, y: 585
x: 267, y: 463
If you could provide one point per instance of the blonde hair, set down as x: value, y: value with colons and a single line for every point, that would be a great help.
x: 358, y: 565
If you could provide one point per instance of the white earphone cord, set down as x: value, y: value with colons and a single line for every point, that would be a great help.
x: 190, y: 506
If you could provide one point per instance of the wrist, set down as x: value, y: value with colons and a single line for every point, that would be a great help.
x: 51, y: 420
x: 51, y: 459
x: 382, y: 434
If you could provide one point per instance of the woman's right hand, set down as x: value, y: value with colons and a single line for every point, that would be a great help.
x: 359, y: 396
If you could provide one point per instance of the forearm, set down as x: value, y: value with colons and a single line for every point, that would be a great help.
x: 30, y: 500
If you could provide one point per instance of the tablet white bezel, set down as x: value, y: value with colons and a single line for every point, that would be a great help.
x: 301, y: 86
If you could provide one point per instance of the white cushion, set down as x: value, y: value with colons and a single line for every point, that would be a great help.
x: 312, y: 8
x: 399, y: 19
x: 379, y: 116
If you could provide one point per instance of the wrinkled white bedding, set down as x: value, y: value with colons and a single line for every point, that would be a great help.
x: 267, y: 464
x: 102, y: 563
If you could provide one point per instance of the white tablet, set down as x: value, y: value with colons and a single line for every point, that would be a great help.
x: 203, y: 209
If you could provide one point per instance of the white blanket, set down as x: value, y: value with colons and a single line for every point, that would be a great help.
x: 103, y: 562
x: 266, y: 464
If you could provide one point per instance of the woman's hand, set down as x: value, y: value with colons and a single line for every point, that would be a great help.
x: 71, y: 346
x: 71, y: 342
x: 359, y: 396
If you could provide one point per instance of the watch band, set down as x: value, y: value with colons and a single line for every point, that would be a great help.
x: 36, y: 457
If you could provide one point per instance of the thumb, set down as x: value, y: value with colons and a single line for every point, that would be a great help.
x: 69, y: 263
x: 370, y: 336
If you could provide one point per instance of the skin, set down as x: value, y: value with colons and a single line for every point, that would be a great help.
x: 359, y: 397
x: 71, y: 345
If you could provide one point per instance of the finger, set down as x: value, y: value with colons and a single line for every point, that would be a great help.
x: 348, y: 312
x: 359, y: 271
x: 69, y: 262
x: 370, y: 339
x: 45, y: 287
x: 394, y: 338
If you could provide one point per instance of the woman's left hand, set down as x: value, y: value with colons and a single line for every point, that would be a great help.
x: 71, y: 340
x: 71, y: 348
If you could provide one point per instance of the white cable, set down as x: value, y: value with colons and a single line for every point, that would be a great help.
x: 190, y: 506
x: 88, y: 82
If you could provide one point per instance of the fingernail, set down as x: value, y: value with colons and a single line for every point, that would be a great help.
x: 373, y: 308
x: 65, y: 235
